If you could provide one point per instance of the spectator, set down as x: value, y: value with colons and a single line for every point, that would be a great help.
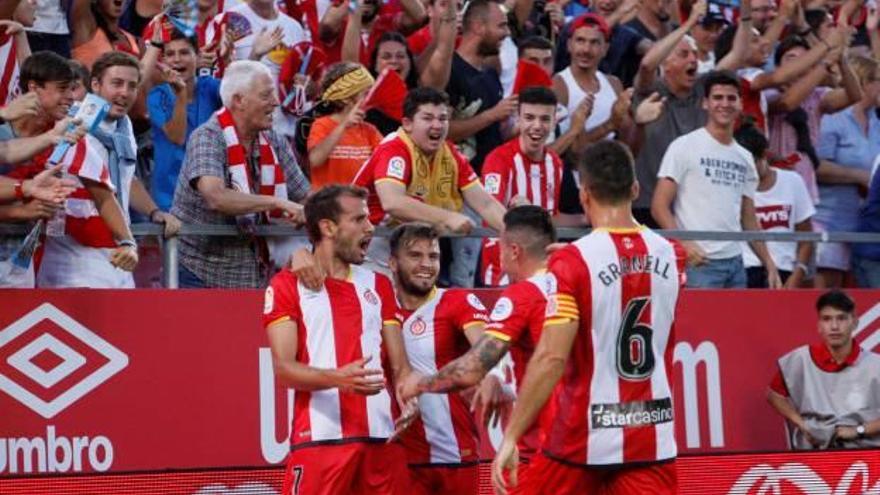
x: 626, y: 46
x: 207, y: 27
x: 416, y: 175
x: 851, y: 140
x: 14, y: 46
x: 97, y: 237
x: 523, y: 171
x: 50, y: 30
x: 705, y: 34
x: 828, y: 392
x: 709, y: 181
x: 366, y: 23
x: 176, y: 108
x: 474, y: 89
x: 782, y: 204
x: 866, y: 256
x: 137, y: 14
x: 539, y: 51
x: 341, y: 142
x: 438, y: 11
x: 653, y: 22
x: 80, y: 85
x: 763, y: 13
x: 95, y: 30
x: 215, y: 185
x: 393, y: 53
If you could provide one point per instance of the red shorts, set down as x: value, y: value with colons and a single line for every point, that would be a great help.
x: 543, y: 472
x: 440, y: 480
x: 355, y: 468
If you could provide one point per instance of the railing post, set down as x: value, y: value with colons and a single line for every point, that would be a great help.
x: 169, y: 263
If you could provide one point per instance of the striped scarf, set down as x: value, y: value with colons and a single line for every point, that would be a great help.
x: 9, y: 69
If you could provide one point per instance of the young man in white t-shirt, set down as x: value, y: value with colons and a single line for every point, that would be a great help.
x: 782, y: 204
x: 709, y: 181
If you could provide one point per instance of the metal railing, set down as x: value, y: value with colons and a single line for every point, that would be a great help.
x: 169, y: 246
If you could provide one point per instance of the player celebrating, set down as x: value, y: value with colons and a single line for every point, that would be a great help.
x: 515, y: 322
x: 439, y: 325
x: 608, y: 336
x: 327, y: 345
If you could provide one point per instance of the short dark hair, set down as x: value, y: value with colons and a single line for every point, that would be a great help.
x: 537, y: 225
x: 536, y: 43
x: 403, y: 235
x: 114, y: 59
x: 787, y: 44
x: 836, y: 299
x: 607, y: 172
x: 324, y: 205
x: 815, y: 18
x: 475, y: 11
x: 176, y: 34
x: 720, y: 78
x: 537, y: 95
x: 724, y: 43
x: 422, y: 96
x: 81, y: 71
x: 751, y: 138
x: 42, y: 67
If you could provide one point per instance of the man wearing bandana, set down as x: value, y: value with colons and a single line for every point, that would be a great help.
x: 237, y: 171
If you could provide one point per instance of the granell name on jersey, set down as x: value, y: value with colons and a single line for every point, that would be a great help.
x: 646, y: 263
x: 628, y: 414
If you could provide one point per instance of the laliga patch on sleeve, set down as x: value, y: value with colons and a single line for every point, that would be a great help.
x: 396, y: 167
x: 474, y: 301
x: 492, y: 183
x: 503, y: 309
x: 269, y: 300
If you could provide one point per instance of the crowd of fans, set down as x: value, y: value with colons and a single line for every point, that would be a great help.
x: 741, y: 115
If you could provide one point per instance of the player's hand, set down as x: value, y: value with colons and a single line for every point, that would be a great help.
x: 507, y: 458
x: 457, y: 223
x: 124, y: 258
x: 408, y: 388
x: 409, y: 411
x: 650, y: 109
x: 26, y: 105
x: 47, y: 186
x: 491, y: 401
x: 695, y: 254
x: 305, y: 267
x: 356, y: 378
x: 172, y: 224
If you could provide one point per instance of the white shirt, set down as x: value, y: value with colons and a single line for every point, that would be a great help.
x: 49, y: 18
x: 712, y: 178
x: 253, y: 24
x: 779, y: 209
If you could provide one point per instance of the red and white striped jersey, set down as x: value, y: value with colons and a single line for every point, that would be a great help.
x: 445, y: 432
x: 622, y: 287
x: 508, y: 172
x: 518, y: 318
x: 337, y: 325
x: 9, y: 69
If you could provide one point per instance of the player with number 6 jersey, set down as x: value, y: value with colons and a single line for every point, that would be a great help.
x: 607, y: 341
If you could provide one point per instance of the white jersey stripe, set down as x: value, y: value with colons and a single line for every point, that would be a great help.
x: 520, y: 170
x: 550, y: 188
x: 324, y: 409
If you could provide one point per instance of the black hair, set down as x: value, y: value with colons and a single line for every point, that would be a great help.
x: 405, y: 234
x: 787, y: 44
x: 724, y: 43
x: 422, y: 96
x: 815, y: 18
x: 535, y: 42
x: 537, y: 95
x: 324, y: 205
x: 81, y: 71
x: 176, y: 34
x: 607, y: 172
x: 45, y: 66
x: 720, y: 78
x: 412, y: 79
x: 114, y: 59
x: 836, y: 299
x: 751, y: 138
x: 537, y: 225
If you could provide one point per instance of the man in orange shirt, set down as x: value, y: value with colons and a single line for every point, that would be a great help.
x: 341, y: 142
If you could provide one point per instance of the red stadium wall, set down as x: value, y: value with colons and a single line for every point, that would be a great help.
x: 117, y: 381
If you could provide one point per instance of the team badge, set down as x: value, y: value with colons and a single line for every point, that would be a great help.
x: 268, y: 300
x: 396, y: 167
x: 492, y: 183
x: 502, y: 310
x: 418, y: 327
x: 627, y: 243
x: 474, y: 301
x: 370, y: 296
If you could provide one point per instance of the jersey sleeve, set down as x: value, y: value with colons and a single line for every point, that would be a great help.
x: 321, y: 128
x: 673, y: 166
x: 510, y: 315
x: 680, y: 262
x: 803, y: 204
x: 391, y: 162
x: 390, y: 311
x: 467, y: 310
x: 566, y: 268
x: 496, y: 174
x: 281, y: 300
x: 777, y: 384
x: 466, y: 176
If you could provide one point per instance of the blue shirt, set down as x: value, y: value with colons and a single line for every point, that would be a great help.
x: 869, y: 221
x: 168, y: 156
x: 843, y: 142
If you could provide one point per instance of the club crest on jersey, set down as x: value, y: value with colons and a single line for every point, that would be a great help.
x: 474, y: 301
x: 627, y: 243
x: 418, y: 327
x: 396, y: 167
x: 492, y: 183
x: 502, y: 310
x: 269, y: 300
x: 370, y: 297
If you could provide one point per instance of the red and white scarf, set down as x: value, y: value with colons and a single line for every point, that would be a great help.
x: 8, y: 69
x: 272, y: 181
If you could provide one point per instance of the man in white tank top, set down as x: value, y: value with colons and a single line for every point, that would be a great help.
x: 582, y: 79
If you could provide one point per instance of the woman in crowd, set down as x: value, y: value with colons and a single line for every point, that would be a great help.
x: 95, y: 30
x: 392, y: 52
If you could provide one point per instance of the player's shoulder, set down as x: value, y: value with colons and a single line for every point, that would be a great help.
x: 284, y: 278
x: 462, y: 298
x: 504, y: 152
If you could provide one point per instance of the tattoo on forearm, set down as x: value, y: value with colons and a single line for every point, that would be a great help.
x: 469, y: 368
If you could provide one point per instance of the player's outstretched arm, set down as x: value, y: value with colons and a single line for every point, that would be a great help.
x: 353, y: 377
